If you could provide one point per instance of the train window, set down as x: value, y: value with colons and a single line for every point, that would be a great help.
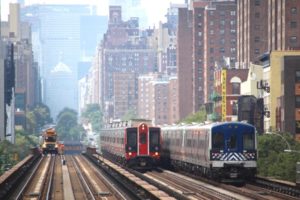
x: 218, y: 141
x: 154, y: 136
x: 248, y: 140
x: 132, y: 137
x: 154, y: 139
x: 232, y: 143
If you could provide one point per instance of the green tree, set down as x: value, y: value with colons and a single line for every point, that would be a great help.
x: 10, y: 154
x: 67, y: 127
x: 273, y: 161
x: 93, y: 114
x: 130, y: 114
x: 37, y: 117
x: 199, y: 116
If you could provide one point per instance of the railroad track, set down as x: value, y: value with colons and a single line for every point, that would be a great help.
x: 79, y: 178
x: 96, y: 186
x: 39, y: 184
x: 196, y: 187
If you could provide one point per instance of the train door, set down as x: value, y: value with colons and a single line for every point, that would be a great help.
x: 232, y: 139
x: 143, y: 138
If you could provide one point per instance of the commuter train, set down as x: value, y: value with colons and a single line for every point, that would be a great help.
x: 224, y: 151
x: 134, y: 143
x: 49, y: 141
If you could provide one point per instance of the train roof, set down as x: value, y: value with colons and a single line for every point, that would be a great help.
x: 129, y: 123
x: 203, y: 125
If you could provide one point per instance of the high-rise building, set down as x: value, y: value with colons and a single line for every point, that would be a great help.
x: 184, y: 62
x: 21, y: 72
x: 129, y: 7
x: 125, y: 94
x: 166, y: 41
x: 218, y: 46
x: 157, y: 98
x: 266, y: 25
x: 124, y: 49
x: 2, y: 105
x: 60, y: 88
x: 69, y: 30
x: 206, y: 41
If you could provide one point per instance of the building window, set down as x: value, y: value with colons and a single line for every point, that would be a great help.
x: 211, y: 23
x: 257, y: 15
x: 222, y: 31
x: 297, y: 103
x: 257, y: 27
x: 232, y: 13
x: 233, y: 41
x: 234, y: 108
x: 211, y: 50
x: 211, y: 32
x: 233, y: 50
x: 256, y: 51
x: 222, y: 13
x: 293, y: 39
x: 235, y: 88
x: 297, y: 77
x: 199, y: 34
x: 211, y: 12
x: 222, y: 41
x: 232, y: 22
x: 293, y: 24
x: 294, y: 10
x: 222, y: 22
x: 222, y: 50
x: 257, y: 2
x: 256, y: 39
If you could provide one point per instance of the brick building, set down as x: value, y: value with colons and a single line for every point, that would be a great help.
x: 228, y: 87
x: 213, y: 41
x: 265, y: 25
x: 124, y: 49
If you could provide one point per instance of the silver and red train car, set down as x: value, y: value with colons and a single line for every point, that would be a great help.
x: 226, y: 151
x: 135, y: 143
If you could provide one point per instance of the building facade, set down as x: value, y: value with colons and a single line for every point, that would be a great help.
x: 284, y: 92
x: 157, y: 98
x: 185, y: 62
x: 266, y: 25
x: 60, y: 87
x: 124, y: 49
x: 228, y: 87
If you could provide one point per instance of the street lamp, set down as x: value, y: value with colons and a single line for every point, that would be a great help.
x: 291, y: 151
x: 287, y: 144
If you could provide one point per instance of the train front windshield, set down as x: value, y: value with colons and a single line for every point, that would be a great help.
x: 233, y: 137
x: 218, y: 140
x: 154, y: 139
x: 249, y: 140
x: 50, y: 139
x: 131, y: 139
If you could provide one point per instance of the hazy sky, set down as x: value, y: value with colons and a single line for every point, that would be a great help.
x: 156, y: 9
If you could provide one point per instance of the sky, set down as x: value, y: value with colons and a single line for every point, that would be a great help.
x: 155, y: 13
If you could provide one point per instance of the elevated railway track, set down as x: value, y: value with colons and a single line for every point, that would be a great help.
x: 90, y: 176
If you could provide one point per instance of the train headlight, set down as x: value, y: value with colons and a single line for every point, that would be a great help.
x: 130, y: 153
x: 156, y: 153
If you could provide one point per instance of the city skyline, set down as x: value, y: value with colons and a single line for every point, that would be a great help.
x: 154, y: 13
